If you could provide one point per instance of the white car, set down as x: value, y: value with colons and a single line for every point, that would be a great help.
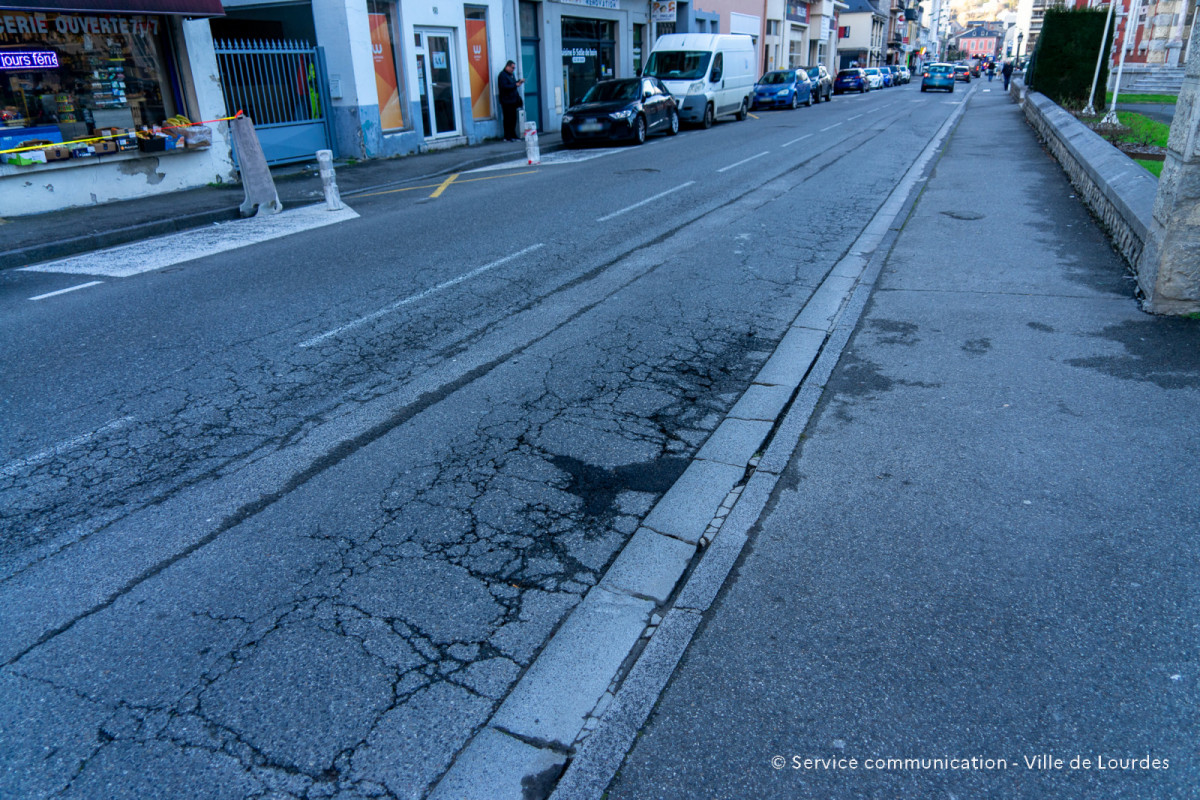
x: 874, y: 78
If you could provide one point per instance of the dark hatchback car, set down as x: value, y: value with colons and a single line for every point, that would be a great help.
x: 629, y: 108
x: 851, y: 80
x: 822, y: 82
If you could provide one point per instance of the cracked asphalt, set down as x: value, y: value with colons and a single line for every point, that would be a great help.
x: 315, y: 572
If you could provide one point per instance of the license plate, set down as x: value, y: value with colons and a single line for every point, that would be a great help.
x: 590, y: 127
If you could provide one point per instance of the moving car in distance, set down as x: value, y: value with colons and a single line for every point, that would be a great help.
x: 628, y: 108
x: 962, y: 73
x: 938, y: 76
x: 822, y: 82
x: 851, y: 80
x: 782, y: 88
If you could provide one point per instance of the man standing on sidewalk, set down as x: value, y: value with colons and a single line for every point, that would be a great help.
x: 510, y: 100
x: 1007, y: 72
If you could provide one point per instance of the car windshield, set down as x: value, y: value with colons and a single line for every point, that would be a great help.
x: 772, y: 78
x: 613, y: 90
x: 872, y: 71
x: 678, y: 65
x: 814, y: 72
x: 938, y: 69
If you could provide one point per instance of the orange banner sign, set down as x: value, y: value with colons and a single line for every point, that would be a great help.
x: 390, y: 114
x: 477, y: 57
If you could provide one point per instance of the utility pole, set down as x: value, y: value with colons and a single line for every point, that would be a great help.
x: 1169, y: 268
x: 1090, y: 110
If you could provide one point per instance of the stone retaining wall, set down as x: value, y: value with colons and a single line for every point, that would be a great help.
x: 1118, y: 190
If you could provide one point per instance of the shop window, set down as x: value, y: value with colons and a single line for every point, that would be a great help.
x: 90, y: 71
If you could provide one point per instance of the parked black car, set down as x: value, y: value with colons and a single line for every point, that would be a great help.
x: 822, y: 82
x: 628, y: 108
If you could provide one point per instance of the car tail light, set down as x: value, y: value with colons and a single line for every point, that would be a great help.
x: 926, y: 75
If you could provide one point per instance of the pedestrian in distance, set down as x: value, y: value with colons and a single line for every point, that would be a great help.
x: 1007, y: 72
x: 510, y: 100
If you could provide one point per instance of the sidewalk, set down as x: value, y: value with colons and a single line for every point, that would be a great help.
x: 984, y: 546
x: 42, y: 237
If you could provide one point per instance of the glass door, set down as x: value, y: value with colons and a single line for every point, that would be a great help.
x: 436, y: 82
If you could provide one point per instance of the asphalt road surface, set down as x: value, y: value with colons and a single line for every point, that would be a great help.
x: 293, y: 518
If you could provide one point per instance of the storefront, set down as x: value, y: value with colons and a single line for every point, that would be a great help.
x: 580, y: 42
x: 98, y: 85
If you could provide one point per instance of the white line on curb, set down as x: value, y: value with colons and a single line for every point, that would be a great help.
x: 644, y: 202
x: 64, y: 291
x: 13, y: 467
x: 414, y: 298
x: 743, y: 161
x: 127, y: 260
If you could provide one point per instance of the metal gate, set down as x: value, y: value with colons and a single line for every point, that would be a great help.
x: 282, y: 87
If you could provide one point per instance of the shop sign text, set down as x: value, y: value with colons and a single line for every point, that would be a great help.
x: 33, y: 24
x: 30, y: 60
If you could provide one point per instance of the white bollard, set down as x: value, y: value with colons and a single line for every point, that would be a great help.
x: 532, y: 152
x: 333, y: 198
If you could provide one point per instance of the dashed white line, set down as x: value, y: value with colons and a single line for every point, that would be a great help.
x: 850, y: 119
x: 13, y: 467
x: 831, y: 127
x: 793, y: 141
x: 644, y: 202
x: 419, y: 296
x: 64, y: 291
x: 743, y: 161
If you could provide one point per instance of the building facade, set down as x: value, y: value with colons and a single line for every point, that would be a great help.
x: 861, y: 32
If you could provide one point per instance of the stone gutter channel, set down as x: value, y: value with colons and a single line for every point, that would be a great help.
x: 583, y: 700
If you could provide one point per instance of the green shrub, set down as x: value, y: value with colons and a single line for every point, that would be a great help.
x: 1065, y: 58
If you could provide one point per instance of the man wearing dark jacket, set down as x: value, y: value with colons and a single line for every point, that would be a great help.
x: 510, y: 100
x: 1007, y: 72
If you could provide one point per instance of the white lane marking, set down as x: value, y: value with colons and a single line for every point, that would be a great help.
x: 831, y: 127
x: 743, y: 161
x: 556, y: 158
x: 793, y: 141
x: 851, y: 119
x: 166, y: 251
x: 13, y: 467
x: 64, y: 291
x: 644, y: 202
x: 418, y: 296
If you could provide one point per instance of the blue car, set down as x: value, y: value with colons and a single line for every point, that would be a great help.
x: 938, y: 76
x: 851, y: 80
x: 782, y: 88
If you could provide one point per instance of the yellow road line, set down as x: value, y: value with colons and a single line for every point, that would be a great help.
x: 438, y: 191
x: 444, y: 184
x: 752, y: 115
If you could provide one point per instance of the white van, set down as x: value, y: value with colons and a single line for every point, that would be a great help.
x: 709, y: 74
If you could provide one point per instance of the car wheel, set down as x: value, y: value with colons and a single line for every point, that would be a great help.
x: 922, y: 88
x: 673, y: 124
x: 639, y: 130
x: 808, y: 100
x: 707, y: 122
x: 829, y: 97
x: 795, y: 100
x: 743, y: 111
